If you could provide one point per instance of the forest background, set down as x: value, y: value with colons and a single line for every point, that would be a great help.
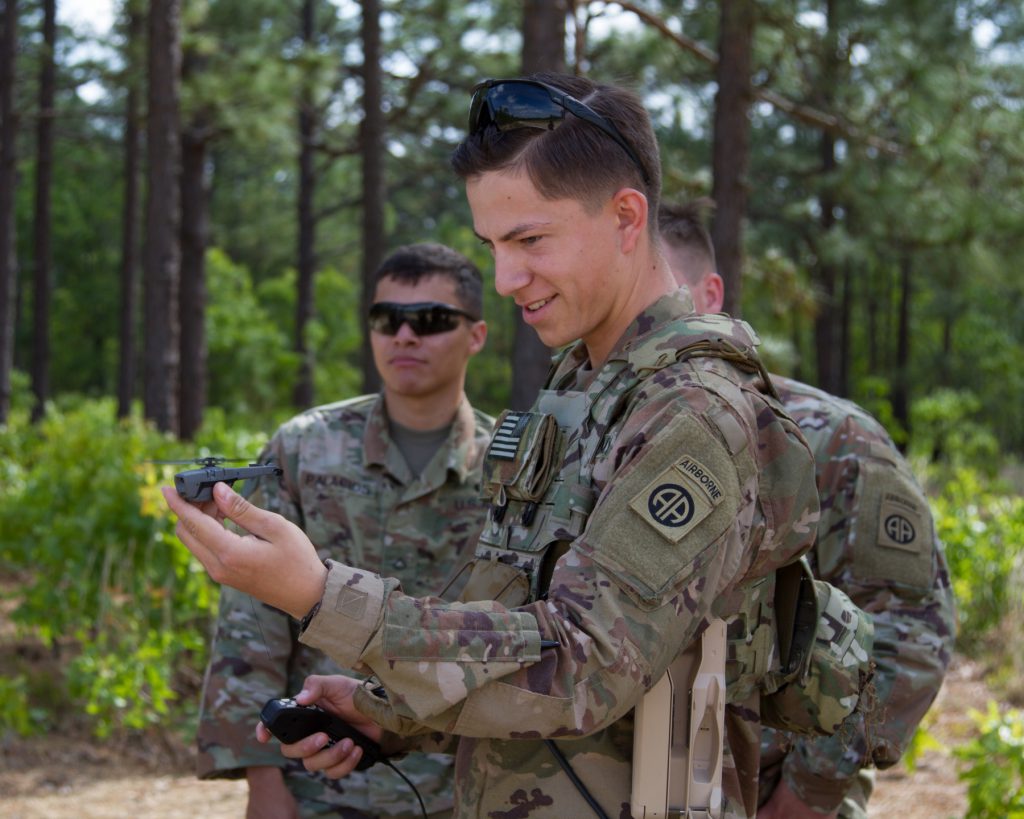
x: 191, y: 201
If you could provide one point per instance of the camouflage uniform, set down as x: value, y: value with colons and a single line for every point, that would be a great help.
x: 633, y: 573
x: 877, y: 542
x: 347, y: 485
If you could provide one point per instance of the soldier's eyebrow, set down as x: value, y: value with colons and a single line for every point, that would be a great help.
x: 515, y: 232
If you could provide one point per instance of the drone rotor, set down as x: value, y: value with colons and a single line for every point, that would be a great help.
x: 203, y: 461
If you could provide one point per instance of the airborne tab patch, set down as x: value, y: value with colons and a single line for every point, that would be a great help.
x: 900, y: 523
x: 703, y: 477
x: 678, y: 499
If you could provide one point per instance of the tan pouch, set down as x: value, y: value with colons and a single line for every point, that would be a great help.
x: 522, y: 457
x: 828, y: 689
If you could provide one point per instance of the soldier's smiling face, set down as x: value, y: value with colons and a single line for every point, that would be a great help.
x: 558, y: 259
x: 420, y: 366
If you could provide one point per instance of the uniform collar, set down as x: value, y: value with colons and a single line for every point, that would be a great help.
x: 458, y: 454
x: 667, y: 308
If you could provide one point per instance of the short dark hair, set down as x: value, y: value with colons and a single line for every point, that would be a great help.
x: 683, y: 226
x: 576, y: 160
x: 410, y: 263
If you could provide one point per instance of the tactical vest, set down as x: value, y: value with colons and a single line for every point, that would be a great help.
x: 537, y: 476
x: 538, y: 467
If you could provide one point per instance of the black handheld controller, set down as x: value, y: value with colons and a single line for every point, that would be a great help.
x: 290, y: 722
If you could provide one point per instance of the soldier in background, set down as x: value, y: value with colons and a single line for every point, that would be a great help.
x: 876, y: 541
x: 390, y: 482
x: 653, y: 487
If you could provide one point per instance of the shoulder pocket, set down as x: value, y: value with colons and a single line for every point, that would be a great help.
x: 656, y: 520
x: 891, y: 535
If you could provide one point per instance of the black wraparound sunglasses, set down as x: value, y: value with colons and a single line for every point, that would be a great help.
x: 425, y: 318
x: 510, y: 104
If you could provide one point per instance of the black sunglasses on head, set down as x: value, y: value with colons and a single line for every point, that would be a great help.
x: 425, y: 318
x: 510, y: 104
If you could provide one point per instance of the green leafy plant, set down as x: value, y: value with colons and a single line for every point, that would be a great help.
x: 15, y: 713
x: 874, y: 394
x: 101, y: 575
x: 922, y: 740
x: 946, y: 428
x: 982, y: 526
x: 251, y: 360
x: 133, y: 689
x: 994, y: 765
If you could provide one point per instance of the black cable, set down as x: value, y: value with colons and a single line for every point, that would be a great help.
x: 409, y: 783
x: 256, y: 617
x: 569, y: 772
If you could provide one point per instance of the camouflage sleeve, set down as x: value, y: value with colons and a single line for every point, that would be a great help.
x: 878, y: 544
x: 248, y: 663
x: 618, y: 613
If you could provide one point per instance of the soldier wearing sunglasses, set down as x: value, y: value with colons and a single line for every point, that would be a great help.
x: 653, y: 489
x: 390, y: 482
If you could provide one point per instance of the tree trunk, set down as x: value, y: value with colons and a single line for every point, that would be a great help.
x: 901, y: 381
x: 845, y: 340
x: 195, y: 207
x: 303, y: 393
x: 162, y: 253
x: 43, y: 253
x: 795, y: 336
x: 544, y: 35
x: 731, y: 144
x: 543, y: 50
x: 948, y: 320
x: 951, y: 310
x: 828, y: 322
x: 130, y: 219
x: 8, y: 182
x: 372, y: 148
x: 871, y: 308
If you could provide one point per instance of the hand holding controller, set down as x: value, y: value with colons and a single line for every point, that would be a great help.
x: 290, y: 722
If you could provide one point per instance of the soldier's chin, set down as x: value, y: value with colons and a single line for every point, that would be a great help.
x: 409, y: 386
x: 554, y: 336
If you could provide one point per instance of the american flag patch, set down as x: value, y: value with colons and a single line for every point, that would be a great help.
x: 505, y: 442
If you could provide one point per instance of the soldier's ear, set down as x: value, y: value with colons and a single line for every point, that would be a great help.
x: 713, y: 291
x: 477, y: 336
x: 630, y: 207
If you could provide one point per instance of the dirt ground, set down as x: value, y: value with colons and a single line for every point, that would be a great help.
x: 54, y: 778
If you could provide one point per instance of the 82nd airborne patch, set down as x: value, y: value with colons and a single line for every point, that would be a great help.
x: 678, y: 499
x: 900, y: 523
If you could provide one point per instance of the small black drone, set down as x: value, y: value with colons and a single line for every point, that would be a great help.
x: 196, y: 485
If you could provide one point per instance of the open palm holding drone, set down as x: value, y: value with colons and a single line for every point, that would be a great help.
x: 275, y: 562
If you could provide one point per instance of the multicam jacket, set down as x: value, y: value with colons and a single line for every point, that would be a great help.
x: 694, y: 486
x: 346, y: 484
x: 877, y: 542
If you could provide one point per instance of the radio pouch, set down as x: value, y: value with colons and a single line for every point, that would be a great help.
x: 521, y: 458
